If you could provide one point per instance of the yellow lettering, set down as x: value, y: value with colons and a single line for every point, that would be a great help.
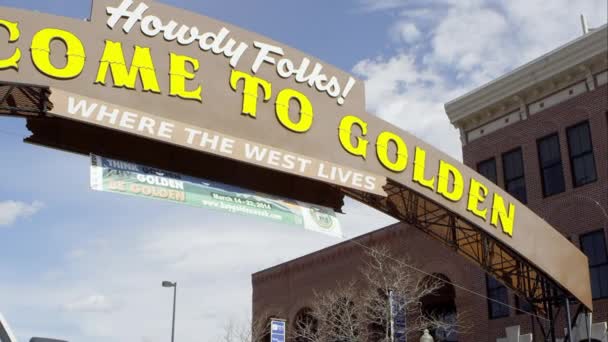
x: 282, y: 110
x: 250, y: 90
x: 113, y: 59
x: 178, y: 75
x: 449, y: 172
x: 475, y: 197
x: 419, y: 166
x: 499, y: 213
x: 13, y: 36
x: 382, y: 144
x: 345, y: 132
x: 41, y: 53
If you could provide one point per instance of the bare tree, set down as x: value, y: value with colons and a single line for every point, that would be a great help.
x: 334, y: 316
x: 245, y: 331
x: 362, y: 310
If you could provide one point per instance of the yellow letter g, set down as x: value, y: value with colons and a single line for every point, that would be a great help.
x: 345, y: 131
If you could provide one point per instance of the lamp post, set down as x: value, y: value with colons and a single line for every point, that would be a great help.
x: 426, y: 337
x: 174, y: 286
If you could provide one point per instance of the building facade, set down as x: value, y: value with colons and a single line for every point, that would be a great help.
x: 541, y: 133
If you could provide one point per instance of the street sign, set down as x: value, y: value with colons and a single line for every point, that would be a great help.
x: 277, y: 330
x: 400, y: 319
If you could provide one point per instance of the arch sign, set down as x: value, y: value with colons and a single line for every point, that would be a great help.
x: 146, y: 69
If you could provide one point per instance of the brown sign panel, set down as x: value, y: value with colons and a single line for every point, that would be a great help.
x: 179, y: 78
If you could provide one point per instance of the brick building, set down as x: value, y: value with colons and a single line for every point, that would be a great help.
x: 541, y: 133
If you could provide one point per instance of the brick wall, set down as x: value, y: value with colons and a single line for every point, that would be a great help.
x: 286, y: 289
x: 576, y: 210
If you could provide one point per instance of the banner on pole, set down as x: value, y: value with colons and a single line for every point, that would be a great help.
x: 400, y: 318
x: 277, y: 330
x: 122, y: 177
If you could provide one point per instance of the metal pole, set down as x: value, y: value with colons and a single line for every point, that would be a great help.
x: 568, y: 320
x: 584, y: 24
x: 532, y: 323
x: 391, y: 316
x: 403, y: 313
x: 173, y: 323
x: 549, y: 308
x: 588, y: 324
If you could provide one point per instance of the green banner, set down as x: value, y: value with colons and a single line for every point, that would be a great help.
x: 132, y: 179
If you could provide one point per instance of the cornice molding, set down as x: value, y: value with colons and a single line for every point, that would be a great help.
x: 324, y: 256
x: 573, y: 57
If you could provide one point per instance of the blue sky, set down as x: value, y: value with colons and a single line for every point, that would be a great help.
x: 87, y: 266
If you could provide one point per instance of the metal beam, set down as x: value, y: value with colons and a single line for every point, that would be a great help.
x: 527, y: 281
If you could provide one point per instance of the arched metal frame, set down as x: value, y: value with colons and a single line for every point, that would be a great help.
x: 406, y: 205
x: 496, y: 259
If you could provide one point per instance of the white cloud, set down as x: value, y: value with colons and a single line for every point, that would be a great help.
x: 407, y: 32
x: 473, y: 39
x: 467, y: 43
x: 375, y: 5
x: 411, y: 97
x: 113, y: 291
x: 76, y: 253
x: 91, y: 303
x: 540, y: 26
x: 10, y: 211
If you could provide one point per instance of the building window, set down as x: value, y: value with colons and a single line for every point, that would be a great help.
x: 581, y: 154
x: 594, y: 246
x: 497, y: 293
x: 513, y: 166
x: 487, y: 168
x: 550, y: 160
x: 523, y: 305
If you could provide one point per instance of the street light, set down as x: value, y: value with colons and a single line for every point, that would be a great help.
x: 174, y: 286
x: 426, y: 337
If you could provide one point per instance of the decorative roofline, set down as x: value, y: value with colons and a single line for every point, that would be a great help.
x: 575, y: 53
x: 328, y: 253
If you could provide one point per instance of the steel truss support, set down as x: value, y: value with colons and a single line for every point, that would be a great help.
x: 23, y: 100
x: 527, y: 281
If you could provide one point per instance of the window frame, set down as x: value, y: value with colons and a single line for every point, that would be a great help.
x: 519, y: 304
x: 602, y: 233
x: 522, y: 177
x: 542, y: 167
x: 572, y: 157
x: 507, y: 312
x: 491, y: 159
